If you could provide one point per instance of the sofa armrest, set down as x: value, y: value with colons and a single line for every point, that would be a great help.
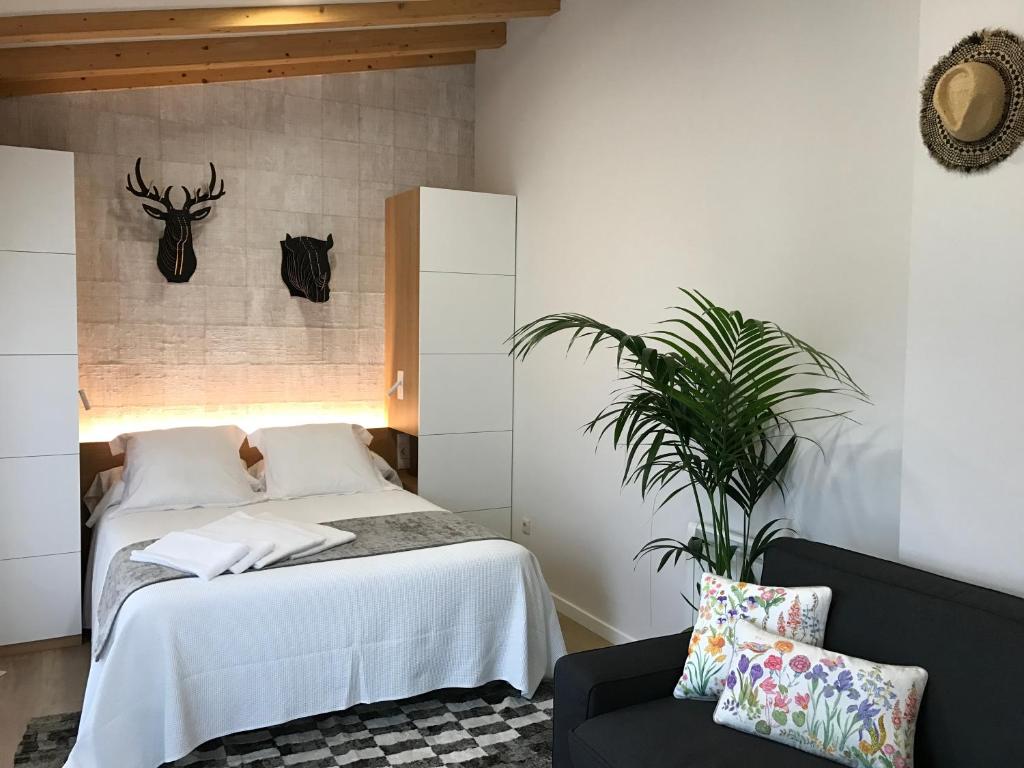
x: 592, y: 683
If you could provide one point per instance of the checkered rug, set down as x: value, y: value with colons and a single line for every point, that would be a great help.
x: 488, y: 727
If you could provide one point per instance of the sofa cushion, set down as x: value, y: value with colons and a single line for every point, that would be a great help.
x: 967, y: 637
x: 673, y: 733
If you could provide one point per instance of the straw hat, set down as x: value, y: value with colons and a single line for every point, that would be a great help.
x: 972, y: 103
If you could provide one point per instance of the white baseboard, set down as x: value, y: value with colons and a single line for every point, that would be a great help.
x: 591, y: 622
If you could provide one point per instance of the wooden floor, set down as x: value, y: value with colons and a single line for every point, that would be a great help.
x: 50, y: 682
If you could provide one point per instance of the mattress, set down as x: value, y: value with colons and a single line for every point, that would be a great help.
x: 189, y: 661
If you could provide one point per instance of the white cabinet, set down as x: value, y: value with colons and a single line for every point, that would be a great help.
x: 37, y: 201
x: 36, y: 317
x: 40, y: 522
x: 449, y: 310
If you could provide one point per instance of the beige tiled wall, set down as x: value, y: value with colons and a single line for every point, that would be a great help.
x: 303, y: 156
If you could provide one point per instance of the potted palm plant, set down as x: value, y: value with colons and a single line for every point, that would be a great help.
x: 710, y: 405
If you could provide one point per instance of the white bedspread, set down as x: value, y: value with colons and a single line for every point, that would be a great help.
x: 191, y: 660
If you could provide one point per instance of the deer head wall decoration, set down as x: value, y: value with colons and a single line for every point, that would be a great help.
x: 305, y: 267
x: 175, y: 257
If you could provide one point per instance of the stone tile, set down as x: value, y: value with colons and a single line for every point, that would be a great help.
x: 371, y: 238
x: 442, y: 170
x: 376, y: 163
x: 466, y: 146
x: 182, y: 104
x: 98, y: 302
x: 443, y: 135
x: 91, y: 131
x: 342, y: 310
x: 285, y: 345
x: 341, y: 197
x: 10, y: 121
x: 410, y: 168
x: 372, y: 195
x: 410, y: 130
x: 98, y: 217
x: 163, y: 303
x: 304, y: 154
x: 376, y: 126
x: 182, y: 142
x: 227, y: 305
x: 137, y: 136
x: 375, y: 89
x: 98, y: 343
x: 344, y: 271
x: 44, y: 124
x: 413, y: 92
x: 346, y: 233
x: 226, y: 104
x: 161, y: 344
x: 136, y: 262
x: 266, y: 229
x: 371, y: 346
x: 266, y: 151
x: 466, y: 174
x: 264, y: 111
x: 225, y: 344
x: 97, y: 174
x: 228, y: 146
x: 219, y: 267
x: 371, y: 273
x: 371, y: 310
x: 97, y: 259
x: 144, y: 102
x: 303, y: 116
x: 343, y: 87
x: 341, y: 345
x: 340, y: 121
x: 341, y: 159
x: 311, y: 87
x: 225, y: 226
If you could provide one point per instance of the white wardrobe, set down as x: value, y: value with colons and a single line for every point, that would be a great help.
x: 40, y: 563
x: 449, y: 308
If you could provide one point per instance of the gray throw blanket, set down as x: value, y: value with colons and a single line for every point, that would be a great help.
x: 374, y: 536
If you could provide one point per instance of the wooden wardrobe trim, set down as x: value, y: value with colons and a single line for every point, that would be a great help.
x: 402, y: 307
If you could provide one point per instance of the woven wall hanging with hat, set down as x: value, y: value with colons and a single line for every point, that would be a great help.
x: 972, y: 102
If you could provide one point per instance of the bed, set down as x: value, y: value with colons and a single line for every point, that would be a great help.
x: 188, y: 661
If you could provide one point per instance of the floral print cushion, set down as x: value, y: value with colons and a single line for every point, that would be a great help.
x: 795, y: 613
x: 852, y: 711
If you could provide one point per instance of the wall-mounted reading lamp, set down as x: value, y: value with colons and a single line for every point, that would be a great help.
x: 85, y: 400
x: 398, y: 388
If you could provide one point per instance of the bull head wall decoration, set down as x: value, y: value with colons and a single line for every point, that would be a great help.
x: 175, y: 257
x: 305, y: 267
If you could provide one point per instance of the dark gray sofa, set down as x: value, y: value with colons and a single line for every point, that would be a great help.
x: 614, y: 706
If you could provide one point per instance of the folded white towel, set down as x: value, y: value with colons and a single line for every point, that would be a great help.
x: 192, y: 553
x: 287, y: 539
x: 258, y: 548
x: 332, y: 537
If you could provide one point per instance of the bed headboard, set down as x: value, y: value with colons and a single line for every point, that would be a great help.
x: 94, y: 458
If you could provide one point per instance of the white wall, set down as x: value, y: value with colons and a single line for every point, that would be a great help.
x: 763, y: 156
x: 963, y: 448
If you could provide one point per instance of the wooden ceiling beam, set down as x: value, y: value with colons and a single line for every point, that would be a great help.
x: 71, y: 27
x: 210, y: 54
x: 294, y: 69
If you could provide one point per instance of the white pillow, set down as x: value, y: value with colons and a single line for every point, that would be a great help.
x: 184, y: 468
x: 106, y: 491
x: 315, y: 459
x: 845, y: 709
x: 795, y: 613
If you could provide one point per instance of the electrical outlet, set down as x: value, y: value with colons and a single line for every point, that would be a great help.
x: 404, y: 452
x: 526, y: 525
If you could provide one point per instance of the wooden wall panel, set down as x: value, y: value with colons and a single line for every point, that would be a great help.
x: 402, y: 306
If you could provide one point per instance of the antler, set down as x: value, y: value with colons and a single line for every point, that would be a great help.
x: 204, y: 197
x: 144, y: 189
